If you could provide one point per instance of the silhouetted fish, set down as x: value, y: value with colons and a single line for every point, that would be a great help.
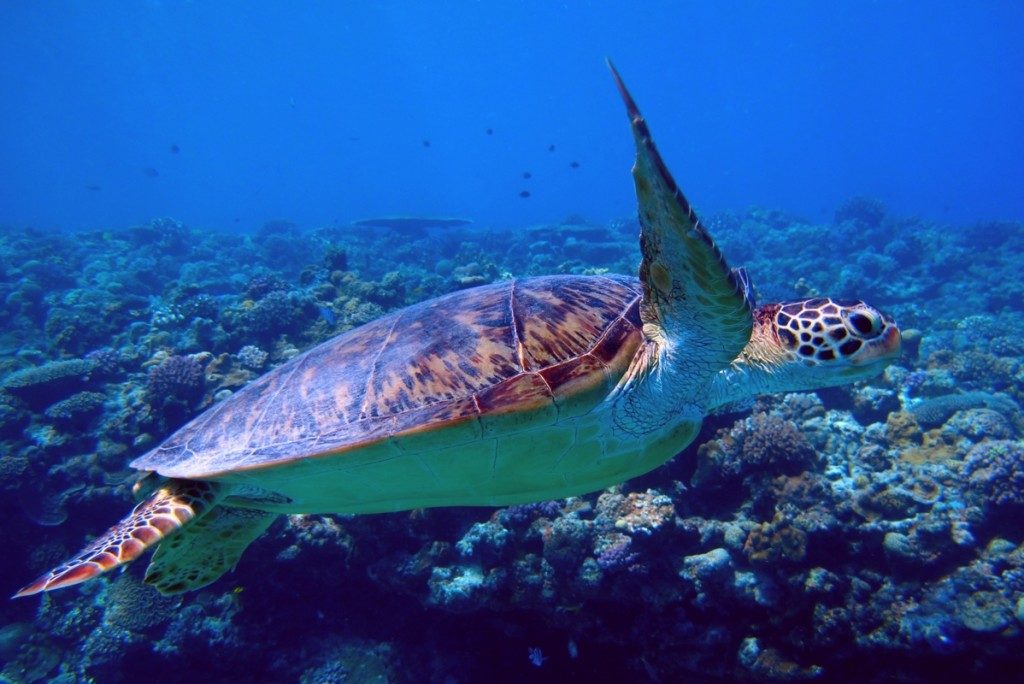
x: 426, y: 143
x: 551, y: 147
x: 574, y: 164
x: 527, y: 175
x: 93, y: 186
x: 490, y: 131
x: 175, y: 149
x: 150, y: 171
x: 524, y: 194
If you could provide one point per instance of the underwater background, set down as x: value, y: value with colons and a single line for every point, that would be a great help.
x: 184, y: 195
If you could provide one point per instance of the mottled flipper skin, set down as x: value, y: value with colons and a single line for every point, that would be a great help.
x: 207, y: 548
x: 162, y: 514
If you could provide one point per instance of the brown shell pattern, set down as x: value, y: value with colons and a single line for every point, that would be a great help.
x: 506, y: 346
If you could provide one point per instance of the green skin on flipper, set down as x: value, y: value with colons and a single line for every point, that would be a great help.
x: 519, y: 391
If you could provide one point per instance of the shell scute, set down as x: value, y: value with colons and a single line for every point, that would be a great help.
x: 450, y: 423
x: 620, y: 340
x: 448, y: 366
x: 564, y: 321
x: 523, y: 403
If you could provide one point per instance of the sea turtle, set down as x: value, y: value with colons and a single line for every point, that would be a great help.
x: 517, y: 391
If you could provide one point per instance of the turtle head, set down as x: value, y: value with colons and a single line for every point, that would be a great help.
x: 808, y: 344
x: 834, y: 341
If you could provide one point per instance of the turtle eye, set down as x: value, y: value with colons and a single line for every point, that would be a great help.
x: 866, y: 324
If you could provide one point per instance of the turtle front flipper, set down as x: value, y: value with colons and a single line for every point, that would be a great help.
x: 206, y: 549
x: 692, y: 300
x: 170, y: 507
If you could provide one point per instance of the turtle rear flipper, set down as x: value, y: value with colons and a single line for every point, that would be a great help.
x: 206, y: 549
x: 169, y: 508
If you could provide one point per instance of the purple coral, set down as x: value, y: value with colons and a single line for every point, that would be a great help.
x: 778, y: 443
x: 177, y: 377
x: 614, y: 552
x: 523, y: 514
x: 995, y: 469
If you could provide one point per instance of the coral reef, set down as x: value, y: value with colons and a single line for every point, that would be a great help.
x: 176, y: 378
x: 875, y: 523
x: 995, y: 470
x: 42, y: 385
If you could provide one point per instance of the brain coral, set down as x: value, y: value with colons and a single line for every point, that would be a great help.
x: 133, y: 606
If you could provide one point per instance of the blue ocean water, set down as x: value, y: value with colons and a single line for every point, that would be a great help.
x: 193, y: 194
x: 320, y: 113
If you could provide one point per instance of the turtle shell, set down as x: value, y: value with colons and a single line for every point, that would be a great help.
x: 515, y: 348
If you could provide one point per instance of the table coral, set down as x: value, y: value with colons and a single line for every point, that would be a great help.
x: 43, y: 385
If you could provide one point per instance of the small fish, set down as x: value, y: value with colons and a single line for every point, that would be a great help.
x: 524, y: 194
x: 490, y: 131
x: 175, y: 149
x: 574, y: 164
x: 150, y: 171
x: 536, y: 656
x: 426, y: 143
x: 572, y: 648
x: 527, y: 175
x: 551, y: 147
x: 93, y: 187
